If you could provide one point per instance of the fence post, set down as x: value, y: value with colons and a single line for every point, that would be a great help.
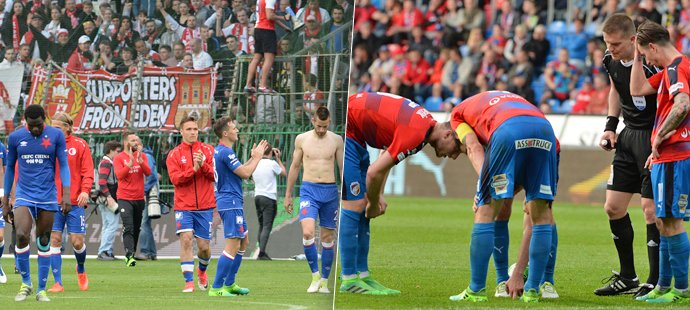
x: 331, y: 92
x: 136, y: 92
x: 46, y: 83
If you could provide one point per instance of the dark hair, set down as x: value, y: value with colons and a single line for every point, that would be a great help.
x: 186, y: 119
x: 269, y: 150
x: 111, y: 146
x: 619, y: 23
x: 339, y: 8
x: 322, y: 113
x: 313, y: 80
x: 34, y: 111
x: 651, y: 32
x: 219, y: 126
x: 165, y: 47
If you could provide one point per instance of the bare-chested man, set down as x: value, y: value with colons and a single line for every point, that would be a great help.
x: 318, y: 149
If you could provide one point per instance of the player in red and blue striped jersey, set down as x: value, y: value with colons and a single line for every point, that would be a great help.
x: 670, y: 158
x: 520, y: 151
x: 401, y: 127
x: 36, y: 149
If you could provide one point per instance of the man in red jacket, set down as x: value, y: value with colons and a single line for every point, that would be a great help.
x: 190, y: 167
x: 131, y: 168
x: 81, y: 172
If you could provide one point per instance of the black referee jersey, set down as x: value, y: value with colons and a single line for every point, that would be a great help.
x: 638, y: 112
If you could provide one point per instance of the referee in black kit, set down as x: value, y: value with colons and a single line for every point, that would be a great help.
x: 633, y: 146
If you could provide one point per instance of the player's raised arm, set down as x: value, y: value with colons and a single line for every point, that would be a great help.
x: 246, y: 170
x: 293, y: 172
x: 639, y: 85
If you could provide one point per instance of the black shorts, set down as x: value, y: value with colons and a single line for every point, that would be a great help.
x: 628, y: 173
x: 265, y: 41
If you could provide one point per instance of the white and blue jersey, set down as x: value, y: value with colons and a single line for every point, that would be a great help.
x: 228, y: 184
x: 229, y: 192
x: 36, y: 159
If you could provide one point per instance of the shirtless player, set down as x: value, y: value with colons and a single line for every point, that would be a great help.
x: 318, y: 149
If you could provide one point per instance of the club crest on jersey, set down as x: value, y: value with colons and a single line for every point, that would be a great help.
x: 500, y: 184
x: 533, y: 143
x: 183, y: 159
x: 355, y: 188
x: 303, y: 204
x: 46, y: 142
x: 178, y: 215
x: 685, y: 133
x: 72, y: 151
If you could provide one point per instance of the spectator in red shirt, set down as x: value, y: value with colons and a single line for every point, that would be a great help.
x: 81, y: 57
x: 403, y: 22
x: 416, y: 74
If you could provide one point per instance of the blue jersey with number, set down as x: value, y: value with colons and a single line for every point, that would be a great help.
x: 36, y: 159
x: 228, y: 184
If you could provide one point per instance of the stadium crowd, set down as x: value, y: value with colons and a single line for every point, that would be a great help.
x: 197, y: 34
x: 444, y: 51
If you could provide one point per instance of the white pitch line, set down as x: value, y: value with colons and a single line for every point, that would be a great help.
x: 236, y: 299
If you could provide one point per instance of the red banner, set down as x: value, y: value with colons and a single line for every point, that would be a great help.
x: 102, y: 102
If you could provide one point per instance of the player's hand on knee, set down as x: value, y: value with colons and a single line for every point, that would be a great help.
x: 608, y: 140
x: 7, y: 214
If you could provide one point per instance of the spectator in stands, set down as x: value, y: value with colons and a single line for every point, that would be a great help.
x: 515, y: 43
x: 167, y: 58
x: 599, y: 104
x: 538, y: 48
x: 126, y: 36
x: 187, y: 61
x: 506, y: 18
x: 309, y: 35
x: 170, y: 36
x: 490, y: 66
x: 107, y: 187
x: 366, y: 37
x: 187, y: 34
x: 72, y: 12
x: 576, y: 43
x: 284, y: 27
x: 266, y: 46
x: 265, y: 195
x: 61, y: 51
x: 497, y: 41
x: 10, y: 60
x: 201, y: 12
x: 522, y: 66
x: 416, y: 75
x: 647, y: 11
x: 103, y: 57
x: 340, y: 40
x: 560, y: 78
x: 127, y: 62
x: 375, y: 84
x: 520, y: 85
x: 241, y: 29
x: 14, y: 26
x: 383, y: 65
x: 434, y: 102
x: 150, y: 57
x: 81, y: 59
x: 532, y: 16
x: 313, y: 9
x: 153, y: 34
x: 452, y: 73
x: 178, y: 52
x: 57, y: 22
x: 270, y: 109
x: 201, y: 59
x: 583, y: 97
x: 148, y: 7
x: 418, y: 41
x: 234, y: 46
x: 313, y: 97
x: 460, y: 21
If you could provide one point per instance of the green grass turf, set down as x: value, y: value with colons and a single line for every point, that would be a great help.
x: 421, y: 247
x: 158, y: 285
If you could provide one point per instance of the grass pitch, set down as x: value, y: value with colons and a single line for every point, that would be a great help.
x: 421, y: 247
x: 158, y: 285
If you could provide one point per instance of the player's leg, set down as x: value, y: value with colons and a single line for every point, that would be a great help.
x: 260, y: 204
x: 203, y: 223
x: 3, y: 276
x: 185, y: 231
x: 127, y: 211
x: 672, y: 181
x: 44, y: 225
x: 76, y: 226
x: 231, y: 285
x: 108, y: 229
x: 56, y: 253
x: 540, y: 245
x: 501, y: 246
x: 253, y: 65
x: 270, y: 47
x: 327, y: 253
x: 653, y: 242
x: 138, y: 215
x: 547, y: 283
x: 235, y: 232
x: 23, y: 223
x: 308, y: 223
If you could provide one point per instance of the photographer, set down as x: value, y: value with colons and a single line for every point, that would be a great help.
x: 265, y: 192
x: 131, y: 168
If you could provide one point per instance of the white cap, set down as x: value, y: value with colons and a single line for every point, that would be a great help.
x: 84, y: 39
